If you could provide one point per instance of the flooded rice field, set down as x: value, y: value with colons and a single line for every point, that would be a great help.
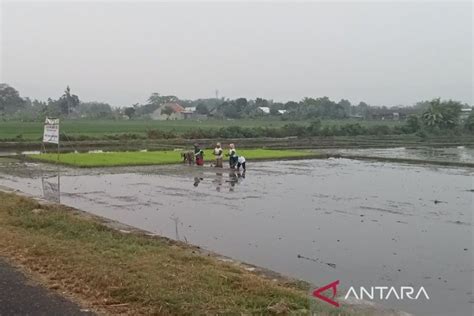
x: 450, y: 154
x: 363, y: 223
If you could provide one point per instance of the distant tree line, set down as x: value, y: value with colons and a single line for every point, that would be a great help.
x: 14, y: 107
x: 433, y: 116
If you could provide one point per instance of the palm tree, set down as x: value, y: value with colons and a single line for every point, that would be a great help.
x: 432, y: 117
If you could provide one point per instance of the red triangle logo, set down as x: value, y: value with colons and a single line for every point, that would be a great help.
x: 333, y: 286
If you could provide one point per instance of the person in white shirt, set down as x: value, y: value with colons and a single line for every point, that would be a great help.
x: 241, y: 162
x: 218, y: 154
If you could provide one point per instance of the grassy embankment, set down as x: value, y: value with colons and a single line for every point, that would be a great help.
x: 158, y: 157
x: 135, y: 274
x: 99, y: 129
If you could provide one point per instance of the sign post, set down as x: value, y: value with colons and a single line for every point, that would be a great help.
x: 51, y: 136
x: 51, y: 132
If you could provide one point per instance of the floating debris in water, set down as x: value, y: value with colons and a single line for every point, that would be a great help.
x: 332, y: 265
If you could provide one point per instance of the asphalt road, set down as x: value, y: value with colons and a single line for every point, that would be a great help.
x: 19, y: 296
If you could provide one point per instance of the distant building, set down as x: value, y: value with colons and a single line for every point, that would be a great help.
x: 190, y: 113
x: 387, y: 114
x: 190, y: 109
x: 264, y: 109
x: 282, y: 112
x: 465, y: 112
x: 176, y: 114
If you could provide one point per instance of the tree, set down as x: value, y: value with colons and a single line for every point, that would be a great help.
x: 412, y: 124
x: 259, y: 102
x: 273, y: 111
x: 158, y: 99
x: 201, y: 108
x: 240, y: 104
x: 130, y: 111
x: 95, y: 110
x: 346, y: 105
x: 167, y: 110
x: 67, y: 102
x: 363, y: 109
x: 10, y: 100
x: 432, y: 117
x: 442, y: 114
x: 469, y: 123
x: 229, y: 109
x: 291, y: 105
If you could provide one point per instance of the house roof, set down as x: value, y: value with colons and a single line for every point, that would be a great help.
x: 264, y: 109
x: 174, y: 106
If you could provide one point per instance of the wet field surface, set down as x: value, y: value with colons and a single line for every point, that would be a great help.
x: 363, y: 223
x: 450, y: 154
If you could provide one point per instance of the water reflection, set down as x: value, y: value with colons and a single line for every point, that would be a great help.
x: 175, y: 219
x: 197, y: 180
x: 218, y: 181
x: 370, y: 223
x: 456, y: 154
x: 234, y: 178
x: 51, y: 186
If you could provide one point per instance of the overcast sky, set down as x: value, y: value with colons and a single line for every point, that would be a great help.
x: 381, y: 53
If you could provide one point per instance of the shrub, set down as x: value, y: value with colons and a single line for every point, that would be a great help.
x: 469, y: 124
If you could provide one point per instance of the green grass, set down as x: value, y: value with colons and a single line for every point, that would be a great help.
x: 99, y: 128
x: 131, y: 274
x: 157, y: 157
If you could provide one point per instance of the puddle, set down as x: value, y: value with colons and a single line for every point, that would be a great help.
x: 363, y: 223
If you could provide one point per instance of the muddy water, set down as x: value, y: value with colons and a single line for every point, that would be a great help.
x: 451, y: 154
x: 363, y: 223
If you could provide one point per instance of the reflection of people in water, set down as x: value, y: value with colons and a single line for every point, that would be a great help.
x: 234, y: 178
x: 197, y: 180
x: 218, y: 181
x: 51, y: 188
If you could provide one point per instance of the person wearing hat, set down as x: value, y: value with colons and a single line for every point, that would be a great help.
x: 198, y: 155
x: 232, y: 156
x: 218, y: 154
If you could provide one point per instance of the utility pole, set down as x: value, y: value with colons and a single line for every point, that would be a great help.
x: 217, y: 94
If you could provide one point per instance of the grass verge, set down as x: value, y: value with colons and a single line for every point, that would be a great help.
x: 109, y: 159
x: 136, y: 274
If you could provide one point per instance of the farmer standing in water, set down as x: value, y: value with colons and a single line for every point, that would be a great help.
x: 232, y: 156
x: 218, y: 153
x: 198, y: 155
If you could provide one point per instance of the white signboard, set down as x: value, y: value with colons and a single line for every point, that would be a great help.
x: 51, y: 131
